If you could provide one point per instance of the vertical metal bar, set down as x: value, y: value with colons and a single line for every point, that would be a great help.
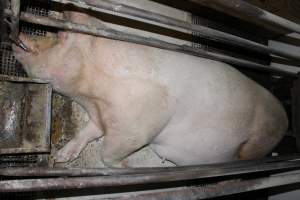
x: 296, y: 110
x: 15, y: 9
x: 3, y: 26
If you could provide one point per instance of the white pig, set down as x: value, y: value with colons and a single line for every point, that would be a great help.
x: 190, y: 110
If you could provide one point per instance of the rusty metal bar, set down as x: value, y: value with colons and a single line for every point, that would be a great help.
x: 15, y: 14
x: 118, y: 35
x: 246, y: 11
x: 107, y: 5
x: 82, y: 172
x: 42, y: 184
x: 211, y: 190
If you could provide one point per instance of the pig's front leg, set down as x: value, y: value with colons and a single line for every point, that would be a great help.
x: 136, y: 116
x: 73, y: 148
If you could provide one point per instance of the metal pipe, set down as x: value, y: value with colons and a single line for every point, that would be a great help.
x: 80, y: 172
x: 211, y: 190
x: 106, y: 5
x: 243, y: 10
x: 40, y: 184
x: 118, y: 35
x: 15, y: 14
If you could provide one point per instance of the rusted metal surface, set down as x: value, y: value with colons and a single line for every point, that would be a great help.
x: 118, y: 35
x: 14, y: 24
x: 203, y: 31
x: 168, y: 176
x: 25, y: 115
x: 3, y: 24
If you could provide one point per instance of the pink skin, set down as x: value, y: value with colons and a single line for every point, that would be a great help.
x: 191, y: 110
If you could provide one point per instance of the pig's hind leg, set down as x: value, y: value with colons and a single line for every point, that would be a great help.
x: 73, y: 148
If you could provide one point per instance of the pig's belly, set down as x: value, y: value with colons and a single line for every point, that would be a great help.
x: 202, y: 146
x: 195, y: 138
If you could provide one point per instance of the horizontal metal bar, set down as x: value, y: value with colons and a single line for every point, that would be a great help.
x: 158, y: 18
x: 118, y: 35
x: 289, y: 40
x: 211, y: 190
x: 283, y: 61
x: 246, y: 11
x: 42, y: 184
x: 81, y: 172
x: 22, y: 79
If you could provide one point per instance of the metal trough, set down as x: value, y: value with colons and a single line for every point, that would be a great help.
x: 25, y: 115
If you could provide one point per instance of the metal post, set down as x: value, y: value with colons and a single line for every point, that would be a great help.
x: 15, y: 14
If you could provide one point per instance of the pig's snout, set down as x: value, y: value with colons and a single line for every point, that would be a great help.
x: 19, y: 43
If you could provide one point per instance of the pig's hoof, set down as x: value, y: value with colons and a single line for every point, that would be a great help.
x: 68, y: 153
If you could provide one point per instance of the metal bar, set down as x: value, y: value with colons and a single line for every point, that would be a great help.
x: 81, y: 172
x: 283, y: 61
x: 135, y: 179
x: 243, y: 10
x: 162, y: 19
x: 118, y: 35
x: 211, y: 190
x: 15, y: 14
x: 3, y: 26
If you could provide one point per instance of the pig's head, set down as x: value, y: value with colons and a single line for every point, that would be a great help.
x: 34, y: 60
x: 57, y: 59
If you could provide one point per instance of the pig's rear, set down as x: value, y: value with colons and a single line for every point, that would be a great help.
x: 221, y: 116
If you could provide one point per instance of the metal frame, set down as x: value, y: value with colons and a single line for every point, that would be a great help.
x: 108, y: 6
x: 99, y: 178
x: 118, y: 35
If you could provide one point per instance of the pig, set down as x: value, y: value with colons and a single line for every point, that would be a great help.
x: 189, y: 110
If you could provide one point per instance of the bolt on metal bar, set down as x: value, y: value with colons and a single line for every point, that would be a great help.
x: 206, y: 32
x: 246, y: 11
x: 123, y: 36
x: 42, y: 184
